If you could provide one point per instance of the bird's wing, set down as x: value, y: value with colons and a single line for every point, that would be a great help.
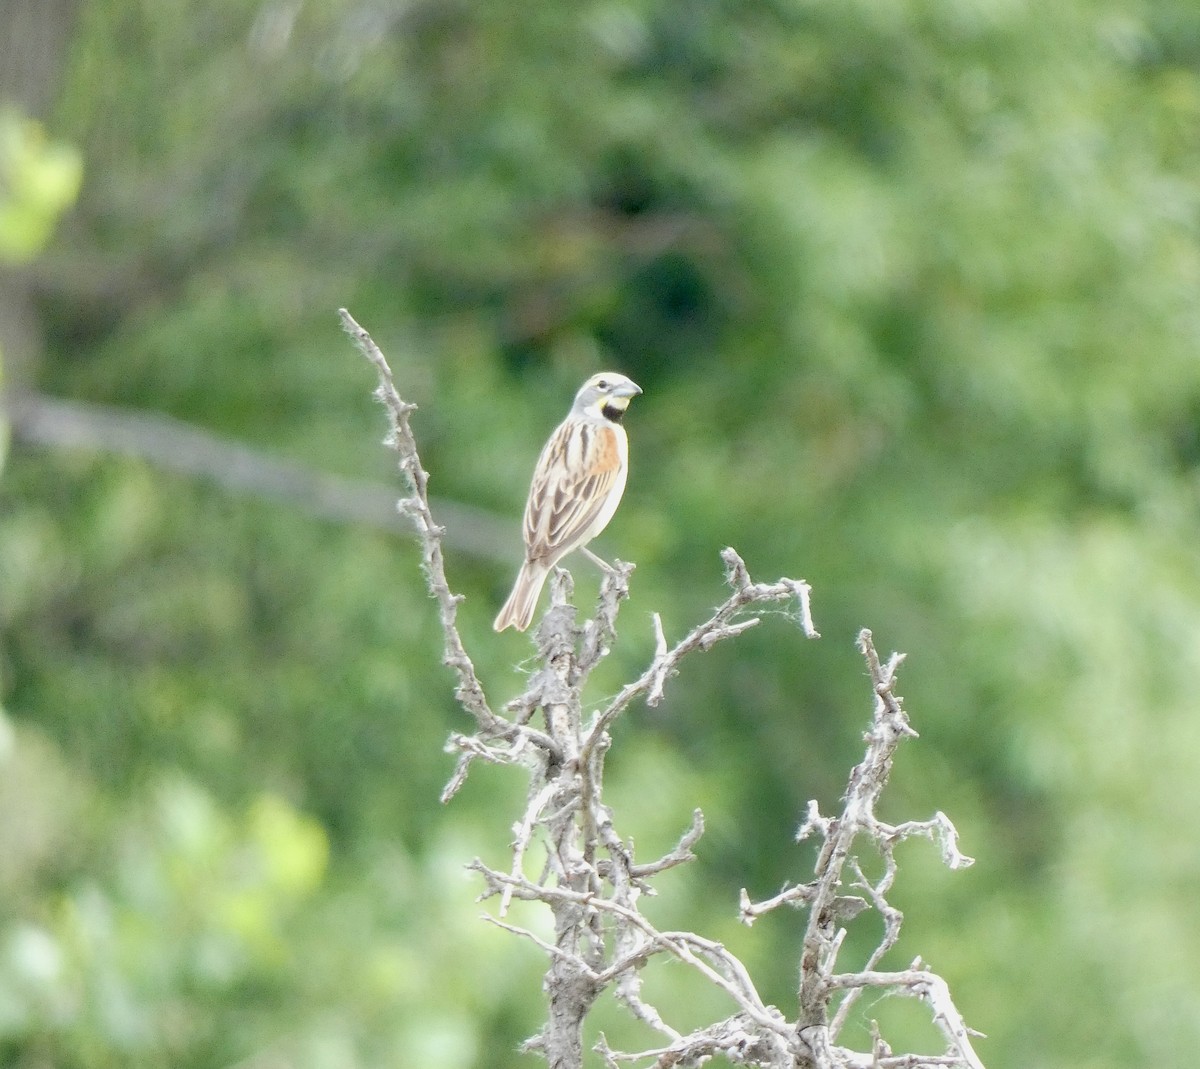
x: 575, y: 475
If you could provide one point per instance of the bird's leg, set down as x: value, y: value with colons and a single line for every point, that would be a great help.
x: 603, y: 565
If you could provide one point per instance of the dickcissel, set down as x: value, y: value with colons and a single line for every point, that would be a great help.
x: 577, y: 485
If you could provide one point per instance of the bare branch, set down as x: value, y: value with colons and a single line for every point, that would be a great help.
x: 470, y: 691
x: 716, y: 628
x: 930, y: 988
x: 823, y: 936
x: 590, y: 879
x: 681, y: 854
x: 939, y: 830
x: 523, y: 833
x: 549, y: 948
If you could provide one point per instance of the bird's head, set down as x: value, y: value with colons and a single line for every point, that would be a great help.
x: 606, y: 395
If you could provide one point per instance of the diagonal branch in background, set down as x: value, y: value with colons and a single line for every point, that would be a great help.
x: 590, y: 880
x: 175, y: 446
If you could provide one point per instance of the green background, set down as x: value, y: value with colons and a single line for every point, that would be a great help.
x: 911, y: 287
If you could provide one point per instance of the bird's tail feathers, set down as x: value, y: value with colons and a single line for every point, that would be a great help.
x: 522, y: 602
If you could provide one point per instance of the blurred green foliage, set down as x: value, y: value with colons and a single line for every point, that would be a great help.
x: 911, y: 290
x: 38, y: 180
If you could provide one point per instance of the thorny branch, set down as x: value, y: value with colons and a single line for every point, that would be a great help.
x: 470, y: 693
x: 589, y: 878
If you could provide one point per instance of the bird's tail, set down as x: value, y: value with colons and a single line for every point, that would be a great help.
x: 518, y: 610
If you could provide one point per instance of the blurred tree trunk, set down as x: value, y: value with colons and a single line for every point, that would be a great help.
x: 35, y: 37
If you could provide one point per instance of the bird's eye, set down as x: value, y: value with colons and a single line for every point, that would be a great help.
x: 602, y: 384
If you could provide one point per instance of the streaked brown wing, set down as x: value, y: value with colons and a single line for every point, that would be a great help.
x: 574, y: 477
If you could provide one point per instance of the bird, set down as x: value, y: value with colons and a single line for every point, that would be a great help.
x: 577, y: 485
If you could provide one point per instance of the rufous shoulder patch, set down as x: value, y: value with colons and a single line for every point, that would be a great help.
x: 605, y: 454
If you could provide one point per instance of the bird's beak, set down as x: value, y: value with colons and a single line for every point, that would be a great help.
x: 628, y: 388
